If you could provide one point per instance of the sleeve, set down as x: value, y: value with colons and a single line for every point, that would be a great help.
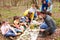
x: 32, y: 16
x: 25, y: 13
x: 50, y: 8
x: 2, y: 30
x: 49, y: 23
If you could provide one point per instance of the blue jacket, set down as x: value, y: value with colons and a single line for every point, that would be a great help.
x: 45, y: 5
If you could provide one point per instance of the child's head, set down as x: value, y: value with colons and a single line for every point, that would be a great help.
x: 33, y: 5
x: 4, y: 22
x: 49, y: 4
x: 15, y: 17
x: 44, y: 1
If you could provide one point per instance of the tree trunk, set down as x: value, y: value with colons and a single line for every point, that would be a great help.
x: 14, y: 2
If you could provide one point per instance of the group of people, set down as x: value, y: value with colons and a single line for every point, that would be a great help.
x: 12, y: 30
x: 47, y: 24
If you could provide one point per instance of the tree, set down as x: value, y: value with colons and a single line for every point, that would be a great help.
x: 14, y: 2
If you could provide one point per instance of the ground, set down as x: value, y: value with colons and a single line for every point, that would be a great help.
x: 9, y: 12
x: 54, y: 36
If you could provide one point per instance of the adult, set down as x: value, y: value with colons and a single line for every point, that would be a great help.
x: 48, y: 26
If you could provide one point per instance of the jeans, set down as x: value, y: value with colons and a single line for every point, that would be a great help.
x: 45, y: 26
x: 10, y: 33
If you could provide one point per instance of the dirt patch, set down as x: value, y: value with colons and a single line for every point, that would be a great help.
x: 52, y: 37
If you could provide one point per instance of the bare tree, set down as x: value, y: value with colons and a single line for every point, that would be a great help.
x: 14, y: 2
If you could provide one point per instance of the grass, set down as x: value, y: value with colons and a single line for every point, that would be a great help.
x: 8, y: 13
x: 58, y: 38
x: 57, y: 21
x: 18, y: 11
x: 56, y: 7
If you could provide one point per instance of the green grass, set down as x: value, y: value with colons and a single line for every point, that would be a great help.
x: 57, y: 21
x: 56, y: 7
x: 58, y: 38
x: 17, y: 11
x: 8, y: 14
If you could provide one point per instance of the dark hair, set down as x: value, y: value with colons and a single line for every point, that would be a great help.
x: 42, y: 1
x: 48, y: 13
x: 15, y: 17
x: 3, y: 22
x: 29, y: 12
x: 43, y: 12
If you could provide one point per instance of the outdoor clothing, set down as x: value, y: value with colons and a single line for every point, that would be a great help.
x: 5, y: 29
x: 43, y: 26
x: 26, y: 13
x: 50, y: 22
x: 49, y: 26
x: 23, y: 19
x: 49, y: 9
x: 10, y: 33
x: 45, y: 6
x: 33, y: 10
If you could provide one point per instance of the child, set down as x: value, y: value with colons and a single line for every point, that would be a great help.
x: 49, y: 9
x: 25, y: 22
x: 18, y: 24
x: 33, y: 9
x: 16, y: 21
x: 7, y: 30
x: 29, y: 14
x: 44, y: 5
